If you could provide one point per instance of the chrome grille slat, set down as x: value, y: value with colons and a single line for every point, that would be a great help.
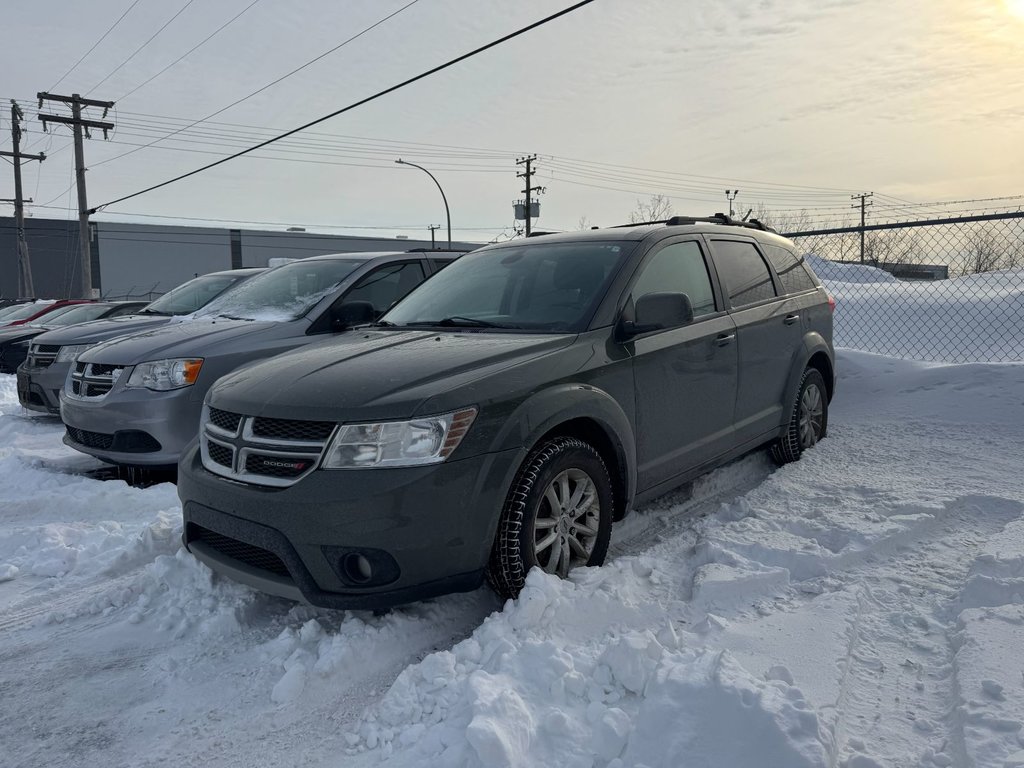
x: 92, y: 381
x: 230, y: 447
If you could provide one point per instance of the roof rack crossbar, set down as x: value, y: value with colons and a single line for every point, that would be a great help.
x: 718, y: 218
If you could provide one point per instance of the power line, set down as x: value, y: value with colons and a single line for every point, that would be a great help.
x: 191, y: 50
x: 136, y: 51
x: 94, y: 45
x: 270, y: 84
x: 359, y: 103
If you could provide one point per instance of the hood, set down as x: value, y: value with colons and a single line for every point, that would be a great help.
x: 96, y: 331
x: 18, y: 333
x: 374, y: 374
x: 197, y: 338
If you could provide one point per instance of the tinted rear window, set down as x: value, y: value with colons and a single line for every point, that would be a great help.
x: 790, y: 269
x: 744, y: 275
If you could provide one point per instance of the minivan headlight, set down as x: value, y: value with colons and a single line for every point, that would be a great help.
x: 70, y: 352
x: 426, y: 440
x: 163, y: 375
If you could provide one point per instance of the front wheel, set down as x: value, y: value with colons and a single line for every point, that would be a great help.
x: 808, y: 419
x: 557, y: 515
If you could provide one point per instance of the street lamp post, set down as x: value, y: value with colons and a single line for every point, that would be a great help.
x: 447, y: 213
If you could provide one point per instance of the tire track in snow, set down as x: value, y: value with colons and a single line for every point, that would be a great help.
x: 901, y: 651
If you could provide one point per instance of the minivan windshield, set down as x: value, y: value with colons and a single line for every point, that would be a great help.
x: 78, y: 313
x: 190, y: 296
x: 540, y: 287
x: 282, y: 293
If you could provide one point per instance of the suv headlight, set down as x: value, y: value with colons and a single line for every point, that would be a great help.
x: 427, y: 440
x: 163, y: 375
x: 69, y: 353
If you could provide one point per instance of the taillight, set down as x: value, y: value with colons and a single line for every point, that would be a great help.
x: 831, y: 304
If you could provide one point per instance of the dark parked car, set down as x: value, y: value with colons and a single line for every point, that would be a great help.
x: 136, y: 401
x: 51, y: 354
x: 506, y: 412
x: 15, y: 340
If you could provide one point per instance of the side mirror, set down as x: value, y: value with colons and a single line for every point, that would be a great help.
x: 656, y: 312
x: 352, y: 313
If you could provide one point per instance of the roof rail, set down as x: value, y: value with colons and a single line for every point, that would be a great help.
x: 438, y: 250
x: 718, y: 218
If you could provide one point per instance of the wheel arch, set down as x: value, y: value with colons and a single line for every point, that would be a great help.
x: 589, y: 414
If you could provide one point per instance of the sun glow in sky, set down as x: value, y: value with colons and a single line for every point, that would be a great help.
x: 1016, y: 7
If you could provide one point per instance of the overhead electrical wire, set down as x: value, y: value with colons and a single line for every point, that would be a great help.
x: 137, y: 50
x: 191, y: 50
x: 270, y: 84
x: 94, y: 45
x: 354, y: 105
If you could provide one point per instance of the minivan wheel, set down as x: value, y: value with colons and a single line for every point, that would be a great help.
x: 557, y: 515
x: 808, y: 419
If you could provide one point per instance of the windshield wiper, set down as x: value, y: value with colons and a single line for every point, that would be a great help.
x: 456, y: 321
x: 153, y: 312
x: 232, y: 317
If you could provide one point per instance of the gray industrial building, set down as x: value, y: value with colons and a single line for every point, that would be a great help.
x: 145, y: 260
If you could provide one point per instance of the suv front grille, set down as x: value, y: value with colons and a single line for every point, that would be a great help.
x: 250, y: 555
x: 260, y: 450
x: 288, y: 429
x: 41, y: 355
x: 92, y: 380
x: 225, y: 420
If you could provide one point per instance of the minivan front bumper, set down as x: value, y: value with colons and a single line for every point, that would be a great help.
x: 423, y: 531
x: 39, y: 386
x: 134, y: 427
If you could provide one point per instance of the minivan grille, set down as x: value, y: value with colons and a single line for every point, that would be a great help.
x: 91, y: 439
x: 260, y: 450
x: 41, y: 355
x: 92, y: 380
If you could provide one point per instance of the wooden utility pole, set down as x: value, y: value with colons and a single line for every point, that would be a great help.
x: 863, y: 197
x: 26, y: 289
x: 78, y: 126
x: 528, y: 191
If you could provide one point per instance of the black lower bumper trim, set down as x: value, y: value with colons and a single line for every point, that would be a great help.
x: 276, y: 543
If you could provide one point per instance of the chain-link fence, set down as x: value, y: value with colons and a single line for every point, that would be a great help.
x: 947, y: 289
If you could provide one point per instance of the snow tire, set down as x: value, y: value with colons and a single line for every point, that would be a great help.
x: 808, y: 419
x: 513, y: 553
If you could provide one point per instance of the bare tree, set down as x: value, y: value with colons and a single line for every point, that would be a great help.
x: 987, y: 252
x: 787, y: 221
x: 583, y: 223
x: 658, y: 208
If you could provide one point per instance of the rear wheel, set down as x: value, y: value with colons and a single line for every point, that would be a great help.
x: 808, y: 419
x: 557, y: 515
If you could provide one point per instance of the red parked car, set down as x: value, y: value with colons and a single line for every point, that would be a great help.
x: 28, y: 313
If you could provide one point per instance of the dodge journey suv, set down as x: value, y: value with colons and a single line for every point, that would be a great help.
x: 508, y: 411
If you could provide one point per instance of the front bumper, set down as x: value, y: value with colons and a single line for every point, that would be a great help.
x: 39, y: 388
x: 426, y: 530
x: 141, y: 427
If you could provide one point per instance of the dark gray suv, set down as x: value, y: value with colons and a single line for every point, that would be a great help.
x: 508, y: 411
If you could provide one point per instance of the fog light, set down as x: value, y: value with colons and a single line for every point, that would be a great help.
x: 357, y: 568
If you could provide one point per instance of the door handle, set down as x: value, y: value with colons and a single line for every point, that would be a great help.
x: 724, y: 339
x: 790, y: 319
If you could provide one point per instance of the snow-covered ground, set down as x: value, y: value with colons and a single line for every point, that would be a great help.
x: 863, y: 607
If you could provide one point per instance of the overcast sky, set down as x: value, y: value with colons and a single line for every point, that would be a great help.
x: 798, y: 104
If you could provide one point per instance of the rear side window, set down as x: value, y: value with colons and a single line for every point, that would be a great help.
x: 790, y: 269
x: 386, y: 285
x: 678, y: 268
x: 744, y: 275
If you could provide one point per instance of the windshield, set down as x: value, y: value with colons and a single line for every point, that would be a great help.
x: 25, y: 310
x: 535, y: 287
x: 283, y: 293
x: 5, y: 311
x: 80, y: 313
x: 190, y: 296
